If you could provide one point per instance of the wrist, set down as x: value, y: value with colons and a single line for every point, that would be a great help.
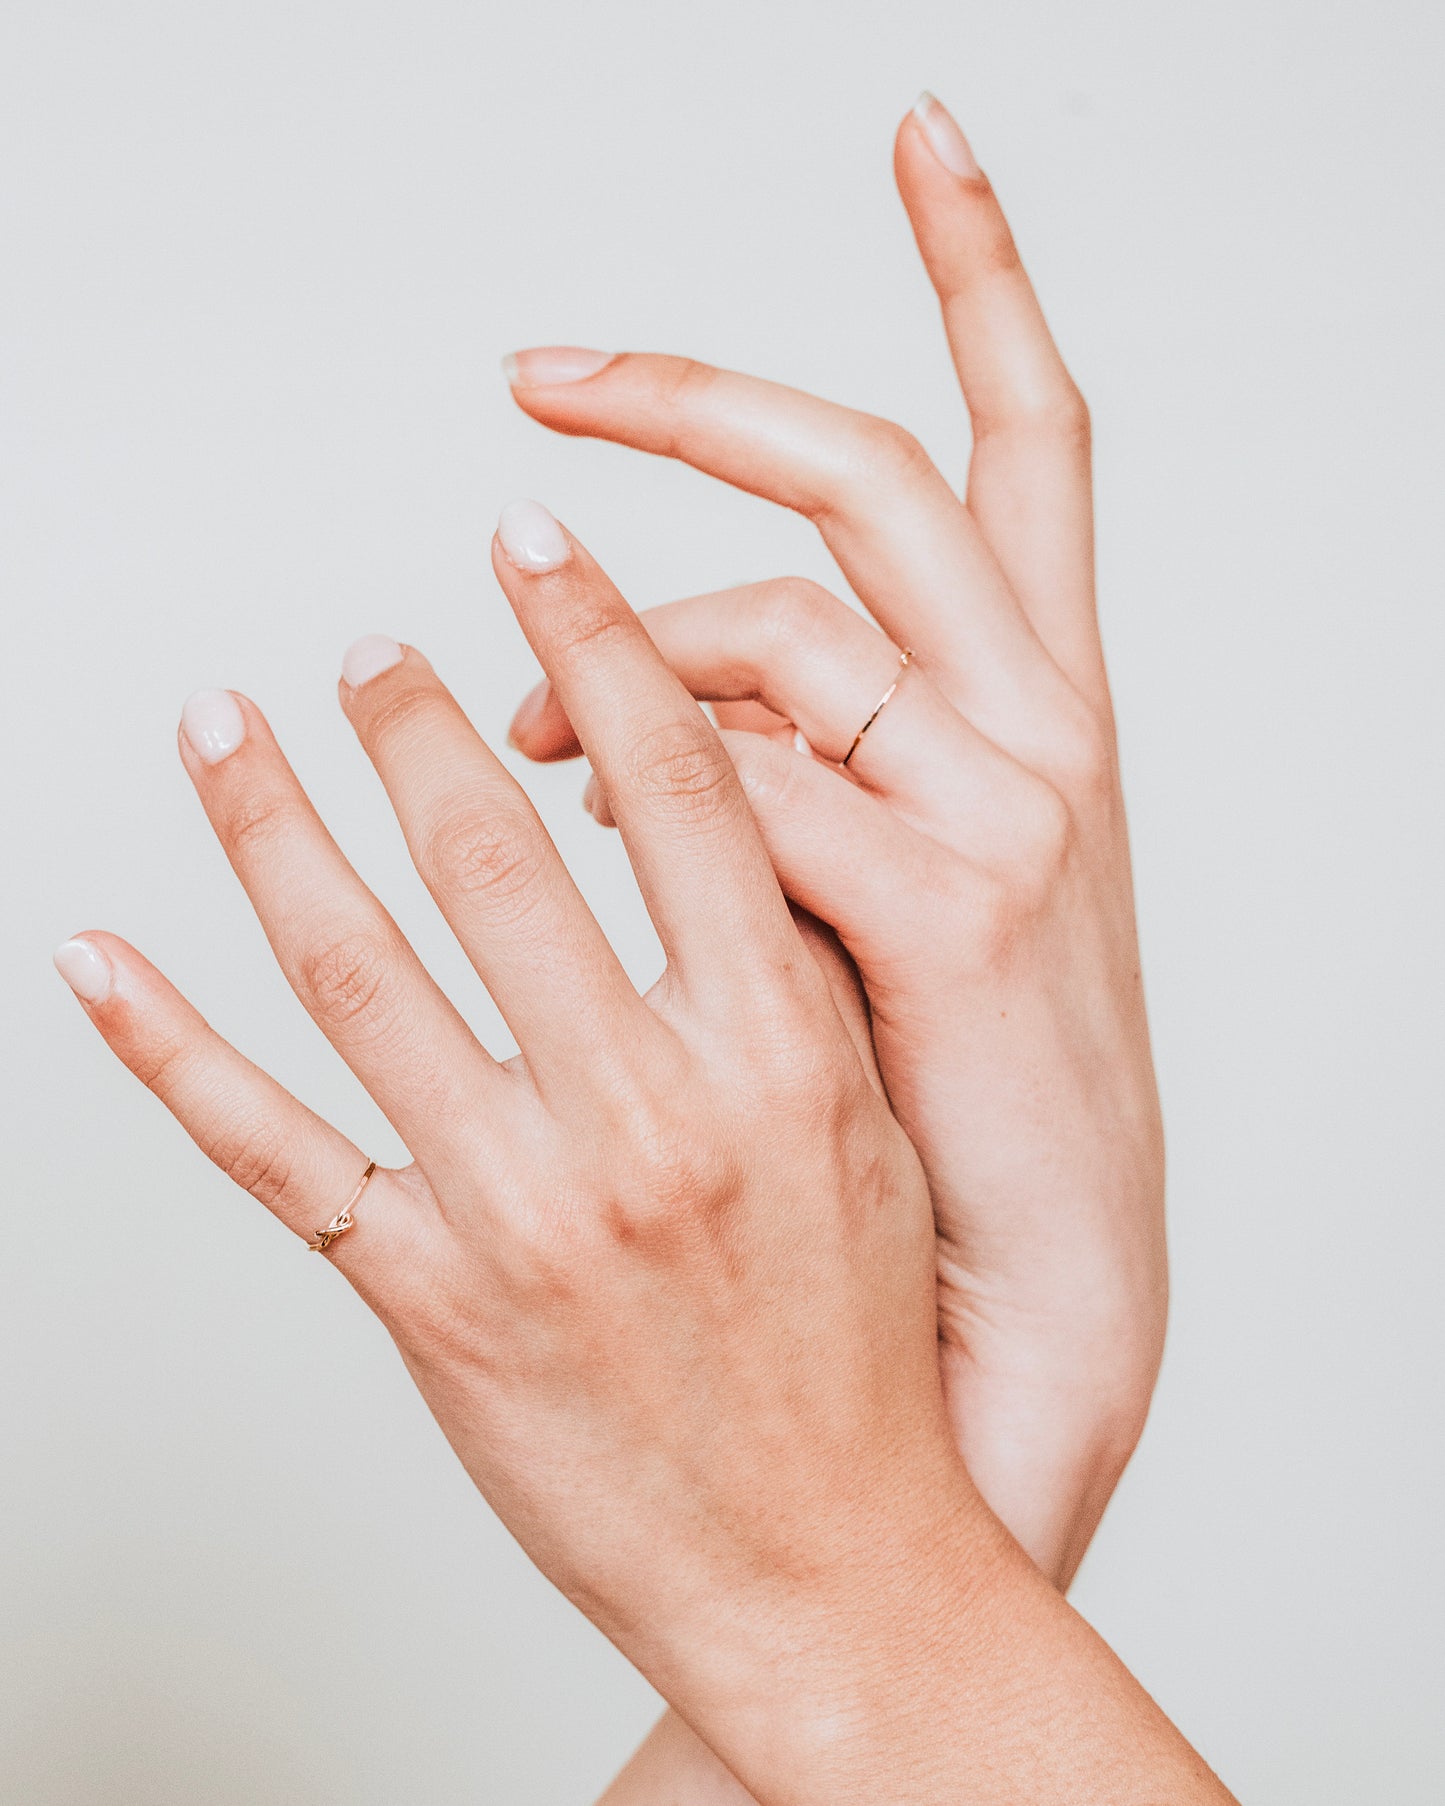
x: 1046, y: 1446
x: 812, y: 1686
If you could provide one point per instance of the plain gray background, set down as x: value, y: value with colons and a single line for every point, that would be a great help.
x: 257, y: 265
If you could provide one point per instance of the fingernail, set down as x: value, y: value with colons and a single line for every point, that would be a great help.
x: 589, y: 797
x: 532, y: 538
x: 529, y: 712
x: 553, y: 364
x: 85, y: 969
x: 948, y: 142
x: 213, y: 723
x: 800, y: 743
x: 372, y: 654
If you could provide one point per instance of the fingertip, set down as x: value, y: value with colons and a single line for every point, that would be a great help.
x: 369, y: 657
x: 553, y: 366
x: 86, y: 967
x: 942, y: 136
x: 531, y: 539
x: 213, y: 725
x: 528, y: 717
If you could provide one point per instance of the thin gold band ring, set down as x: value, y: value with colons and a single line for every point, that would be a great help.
x: 905, y: 659
x: 343, y: 1219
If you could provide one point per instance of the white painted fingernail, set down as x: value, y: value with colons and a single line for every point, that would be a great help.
x: 532, y: 538
x: 213, y: 724
x: 85, y: 969
x: 372, y: 654
x: 942, y: 132
x: 800, y: 743
x: 553, y: 364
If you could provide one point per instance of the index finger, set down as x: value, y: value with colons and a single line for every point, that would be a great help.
x: 911, y: 551
x: 700, y: 862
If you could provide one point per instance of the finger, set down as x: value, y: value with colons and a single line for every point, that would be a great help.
x: 283, y: 1154
x: 689, y: 833
x: 811, y: 659
x: 840, y: 853
x: 1029, y: 484
x: 845, y: 986
x: 491, y: 866
x: 341, y: 952
x: 906, y: 544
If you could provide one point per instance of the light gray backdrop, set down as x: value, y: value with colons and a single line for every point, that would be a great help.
x: 259, y: 263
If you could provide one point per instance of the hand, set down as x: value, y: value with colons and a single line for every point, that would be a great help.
x: 596, y: 1267
x: 973, y: 856
x: 666, y: 1280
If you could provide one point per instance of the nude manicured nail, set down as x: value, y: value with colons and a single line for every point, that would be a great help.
x: 213, y: 723
x: 529, y: 712
x: 800, y: 743
x: 532, y: 538
x: 553, y: 364
x: 372, y: 654
x: 589, y: 797
x: 85, y: 969
x: 948, y: 142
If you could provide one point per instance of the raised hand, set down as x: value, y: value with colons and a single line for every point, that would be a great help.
x: 666, y: 1280
x: 973, y: 857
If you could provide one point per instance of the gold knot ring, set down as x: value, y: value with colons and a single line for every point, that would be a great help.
x: 343, y: 1219
x: 905, y: 659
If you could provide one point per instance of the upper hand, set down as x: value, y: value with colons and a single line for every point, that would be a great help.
x: 973, y: 858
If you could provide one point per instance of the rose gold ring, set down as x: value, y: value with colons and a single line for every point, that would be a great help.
x: 905, y: 659
x: 343, y: 1219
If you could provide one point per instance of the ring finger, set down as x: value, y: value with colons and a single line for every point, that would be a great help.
x: 810, y: 659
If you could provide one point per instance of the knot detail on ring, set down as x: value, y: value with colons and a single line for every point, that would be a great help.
x: 343, y: 1220
x: 905, y: 659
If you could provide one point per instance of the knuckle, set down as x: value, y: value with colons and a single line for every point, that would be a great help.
x: 889, y: 451
x: 494, y: 857
x: 1044, y: 838
x: 677, y: 1178
x: 258, y: 1162
x: 258, y: 820
x: 798, y: 613
x: 398, y: 712
x: 593, y: 626
x: 683, y: 379
x: 1082, y: 759
x: 158, y: 1063
x: 683, y: 766
x: 766, y: 771
x: 1060, y: 414
x: 342, y: 979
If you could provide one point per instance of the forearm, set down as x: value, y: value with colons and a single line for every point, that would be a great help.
x: 965, y: 1678
x: 1052, y: 1511
x: 674, y: 1767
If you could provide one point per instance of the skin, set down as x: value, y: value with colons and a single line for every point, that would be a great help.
x: 666, y: 1280
x: 973, y: 858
